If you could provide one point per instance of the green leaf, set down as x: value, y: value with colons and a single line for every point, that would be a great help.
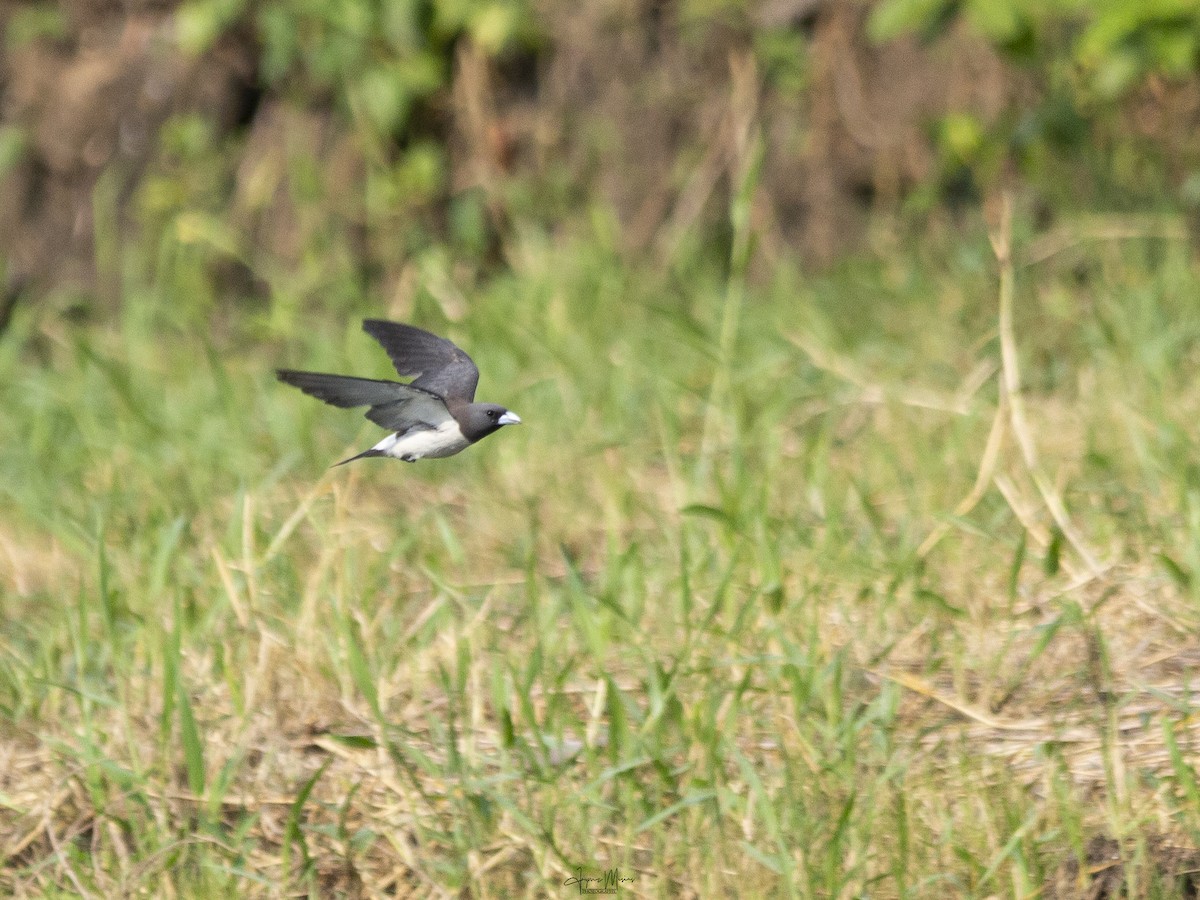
x: 1052, y: 560
x: 675, y: 808
x: 938, y: 601
x: 709, y: 512
x: 1014, y: 569
x: 14, y: 143
x: 1177, y: 573
x: 1185, y: 775
x: 356, y: 741
x: 893, y: 18
x: 292, y: 834
x: 494, y: 26
x: 998, y: 20
x: 618, y: 720
x: 200, y: 23
x: 360, y: 669
x: 193, y: 744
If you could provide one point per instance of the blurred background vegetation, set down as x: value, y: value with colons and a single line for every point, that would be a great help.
x: 279, y: 152
x: 844, y: 552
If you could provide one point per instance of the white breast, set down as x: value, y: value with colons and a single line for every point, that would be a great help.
x: 418, y: 443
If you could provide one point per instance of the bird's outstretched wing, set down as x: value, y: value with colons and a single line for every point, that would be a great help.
x: 443, y: 368
x: 392, y: 405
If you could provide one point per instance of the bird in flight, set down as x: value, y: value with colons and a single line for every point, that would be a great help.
x: 434, y: 415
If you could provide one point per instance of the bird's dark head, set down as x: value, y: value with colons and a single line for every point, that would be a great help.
x: 479, y: 420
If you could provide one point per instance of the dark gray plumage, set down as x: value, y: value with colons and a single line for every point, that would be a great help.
x: 443, y: 368
x: 431, y: 416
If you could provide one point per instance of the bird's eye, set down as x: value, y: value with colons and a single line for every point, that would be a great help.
x: 491, y: 414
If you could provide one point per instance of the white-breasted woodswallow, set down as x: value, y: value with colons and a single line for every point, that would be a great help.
x: 433, y: 415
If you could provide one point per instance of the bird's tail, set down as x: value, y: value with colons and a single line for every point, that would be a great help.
x: 363, y: 455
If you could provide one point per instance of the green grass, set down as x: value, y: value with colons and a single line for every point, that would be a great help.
x: 679, y: 624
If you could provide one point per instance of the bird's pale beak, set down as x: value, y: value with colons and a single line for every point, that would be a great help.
x: 509, y: 418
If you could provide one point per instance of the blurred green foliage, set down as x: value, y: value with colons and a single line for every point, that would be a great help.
x: 360, y: 182
x: 376, y: 60
x: 31, y: 22
x: 367, y: 83
x: 1112, y: 45
x: 1087, y: 57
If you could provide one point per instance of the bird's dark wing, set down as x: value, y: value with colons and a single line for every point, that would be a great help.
x: 395, y: 406
x: 444, y: 369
